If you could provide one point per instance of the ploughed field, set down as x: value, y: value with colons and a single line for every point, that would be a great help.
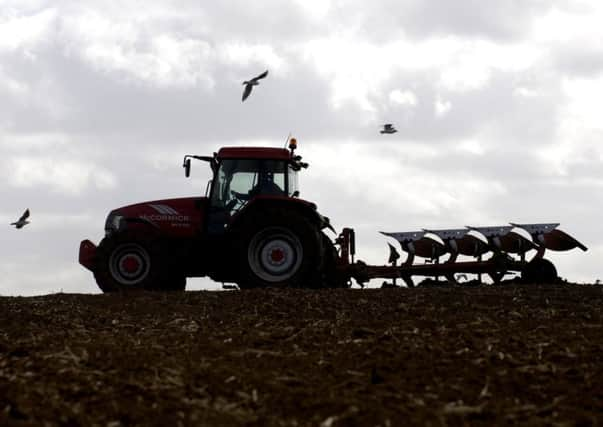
x: 504, y: 355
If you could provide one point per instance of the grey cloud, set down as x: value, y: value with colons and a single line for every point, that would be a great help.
x: 271, y: 20
x: 103, y: 103
x: 231, y: 20
x: 578, y: 59
x: 495, y: 20
x: 493, y: 113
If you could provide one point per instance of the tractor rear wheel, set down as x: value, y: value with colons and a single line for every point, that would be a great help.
x: 540, y: 271
x: 279, y: 248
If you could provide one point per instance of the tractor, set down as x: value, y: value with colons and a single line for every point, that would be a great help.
x: 252, y: 229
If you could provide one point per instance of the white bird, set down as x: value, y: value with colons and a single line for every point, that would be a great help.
x: 249, y: 84
x: 388, y: 128
x: 23, y: 220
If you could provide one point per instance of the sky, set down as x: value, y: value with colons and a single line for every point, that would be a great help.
x: 497, y: 106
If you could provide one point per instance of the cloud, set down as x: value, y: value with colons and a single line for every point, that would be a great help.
x: 405, y: 98
x: 23, y: 31
x: 497, y: 20
x: 441, y: 107
x: 57, y: 175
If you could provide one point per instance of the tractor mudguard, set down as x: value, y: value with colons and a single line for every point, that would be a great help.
x: 268, y: 203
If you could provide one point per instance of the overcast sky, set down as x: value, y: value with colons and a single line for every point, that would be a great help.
x: 497, y: 104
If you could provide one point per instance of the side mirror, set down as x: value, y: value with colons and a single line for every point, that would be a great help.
x: 187, y: 167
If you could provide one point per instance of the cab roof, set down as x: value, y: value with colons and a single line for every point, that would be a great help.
x: 254, y: 153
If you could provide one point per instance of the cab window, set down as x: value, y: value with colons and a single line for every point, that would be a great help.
x: 239, y: 180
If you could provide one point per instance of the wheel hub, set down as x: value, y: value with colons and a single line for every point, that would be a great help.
x: 129, y: 264
x: 278, y: 256
x: 275, y: 254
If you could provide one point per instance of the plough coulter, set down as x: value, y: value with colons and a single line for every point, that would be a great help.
x: 252, y: 228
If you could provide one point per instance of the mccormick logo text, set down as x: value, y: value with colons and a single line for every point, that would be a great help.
x: 165, y: 213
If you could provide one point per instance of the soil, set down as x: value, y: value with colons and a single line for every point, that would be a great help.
x: 491, y: 355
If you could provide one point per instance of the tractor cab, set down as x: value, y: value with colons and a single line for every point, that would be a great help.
x: 242, y: 174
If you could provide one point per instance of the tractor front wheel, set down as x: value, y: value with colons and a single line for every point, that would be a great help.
x: 130, y: 261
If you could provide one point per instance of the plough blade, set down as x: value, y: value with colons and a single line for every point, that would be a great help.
x: 558, y: 240
x: 417, y: 243
x: 506, y: 239
x: 458, y: 240
x: 550, y: 237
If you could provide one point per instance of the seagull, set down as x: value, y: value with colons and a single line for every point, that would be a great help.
x: 388, y: 128
x: 23, y: 220
x: 249, y: 84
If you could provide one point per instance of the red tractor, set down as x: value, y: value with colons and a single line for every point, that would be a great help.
x: 252, y: 229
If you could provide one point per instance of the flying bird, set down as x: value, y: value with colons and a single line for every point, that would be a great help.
x: 388, y: 128
x: 23, y: 220
x: 249, y: 84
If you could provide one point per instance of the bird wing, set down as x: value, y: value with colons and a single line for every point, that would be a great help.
x: 24, y: 216
x: 261, y: 76
x: 246, y: 92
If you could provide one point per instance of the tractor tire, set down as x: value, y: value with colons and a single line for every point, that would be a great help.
x: 132, y: 261
x: 539, y: 271
x: 279, y: 248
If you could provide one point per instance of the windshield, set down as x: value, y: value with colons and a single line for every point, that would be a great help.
x: 239, y: 180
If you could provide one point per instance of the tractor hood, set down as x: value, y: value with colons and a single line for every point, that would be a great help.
x: 172, y: 217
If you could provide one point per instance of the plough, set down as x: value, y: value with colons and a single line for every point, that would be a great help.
x: 497, y: 251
